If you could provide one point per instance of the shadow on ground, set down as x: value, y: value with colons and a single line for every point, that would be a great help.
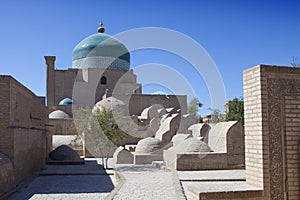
x: 68, y: 179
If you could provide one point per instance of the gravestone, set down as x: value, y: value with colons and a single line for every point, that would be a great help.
x: 200, y: 130
x: 122, y: 156
x: 168, y: 128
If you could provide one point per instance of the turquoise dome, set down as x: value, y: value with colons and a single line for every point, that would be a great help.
x: 99, y: 49
x: 65, y: 101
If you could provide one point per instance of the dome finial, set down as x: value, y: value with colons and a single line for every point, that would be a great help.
x: 101, y: 29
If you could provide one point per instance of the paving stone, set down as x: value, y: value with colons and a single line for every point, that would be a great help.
x: 148, y: 183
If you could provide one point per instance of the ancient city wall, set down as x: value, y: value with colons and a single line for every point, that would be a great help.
x: 272, y: 124
x: 23, y: 132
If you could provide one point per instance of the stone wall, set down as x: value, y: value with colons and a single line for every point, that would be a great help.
x: 272, y: 110
x: 228, y: 137
x: 62, y: 127
x: 6, y: 173
x: 195, y: 161
x: 23, y: 130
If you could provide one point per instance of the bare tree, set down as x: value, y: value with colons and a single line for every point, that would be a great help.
x: 295, y: 63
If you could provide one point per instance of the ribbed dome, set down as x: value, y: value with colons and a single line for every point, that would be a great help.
x: 101, y: 51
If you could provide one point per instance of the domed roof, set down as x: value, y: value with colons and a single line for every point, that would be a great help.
x: 110, y: 103
x: 102, y: 50
x: 148, y: 145
x: 64, y: 153
x: 192, y: 145
x: 58, y: 114
x: 65, y: 101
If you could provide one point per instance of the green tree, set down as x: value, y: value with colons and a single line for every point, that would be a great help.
x: 106, y: 120
x: 216, y: 116
x: 193, y: 107
x: 100, y: 128
x: 235, y: 110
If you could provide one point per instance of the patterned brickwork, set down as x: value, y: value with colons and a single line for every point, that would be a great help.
x: 271, y: 128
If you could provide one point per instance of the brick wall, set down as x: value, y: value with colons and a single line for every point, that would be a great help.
x: 62, y: 127
x: 271, y: 129
x: 22, y: 128
x: 292, y: 138
x: 254, y: 156
x: 60, y: 85
x: 6, y: 140
x: 6, y: 173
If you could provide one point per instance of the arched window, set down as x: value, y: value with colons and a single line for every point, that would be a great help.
x: 103, y: 80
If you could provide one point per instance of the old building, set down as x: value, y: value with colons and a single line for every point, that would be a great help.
x: 100, y: 69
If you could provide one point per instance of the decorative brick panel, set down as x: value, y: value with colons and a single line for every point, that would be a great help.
x: 272, y: 108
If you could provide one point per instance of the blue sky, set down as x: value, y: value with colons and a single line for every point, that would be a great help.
x: 236, y: 34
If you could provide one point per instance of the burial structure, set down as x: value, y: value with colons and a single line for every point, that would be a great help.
x: 272, y: 126
x: 272, y: 111
x: 184, y: 145
x: 219, y: 147
x: 100, y: 71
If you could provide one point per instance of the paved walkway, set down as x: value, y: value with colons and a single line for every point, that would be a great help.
x: 145, y: 182
x: 60, y: 182
x: 90, y: 181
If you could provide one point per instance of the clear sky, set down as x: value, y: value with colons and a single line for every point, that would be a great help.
x: 237, y: 34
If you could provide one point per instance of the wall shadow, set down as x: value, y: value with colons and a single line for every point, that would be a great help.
x: 68, y: 179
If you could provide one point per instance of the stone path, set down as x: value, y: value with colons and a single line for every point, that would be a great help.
x: 145, y: 182
x: 90, y: 181
x: 59, y: 182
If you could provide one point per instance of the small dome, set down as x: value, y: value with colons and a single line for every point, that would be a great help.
x: 100, y: 51
x: 110, y: 103
x: 148, y: 145
x: 64, y: 153
x: 192, y: 145
x: 65, y: 101
x: 58, y: 114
